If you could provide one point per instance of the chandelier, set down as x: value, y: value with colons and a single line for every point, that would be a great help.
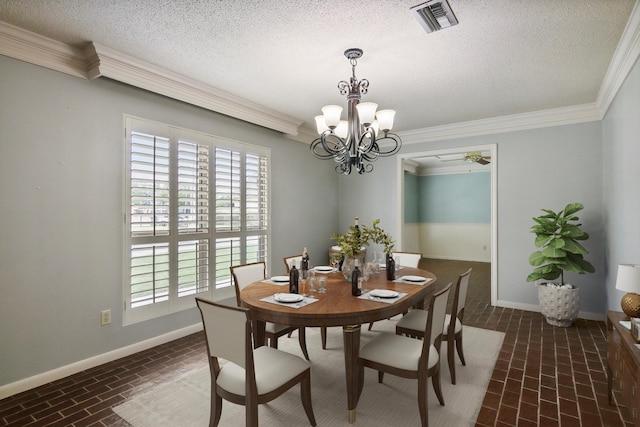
x: 355, y: 142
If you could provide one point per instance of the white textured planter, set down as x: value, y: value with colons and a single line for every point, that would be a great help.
x: 559, y: 306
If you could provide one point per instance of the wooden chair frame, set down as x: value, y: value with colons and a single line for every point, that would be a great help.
x: 251, y: 399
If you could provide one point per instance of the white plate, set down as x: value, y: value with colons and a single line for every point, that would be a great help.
x: 323, y: 269
x: 288, y: 298
x: 384, y: 266
x: 417, y: 279
x: 383, y: 293
x: 280, y: 279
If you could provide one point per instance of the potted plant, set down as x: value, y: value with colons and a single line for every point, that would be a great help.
x: 352, y: 241
x: 558, y: 235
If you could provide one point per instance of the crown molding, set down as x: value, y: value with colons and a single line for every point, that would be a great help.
x: 100, y: 61
x: 510, y: 123
x: 39, y: 50
x: 624, y: 58
x: 106, y: 62
x: 97, y: 60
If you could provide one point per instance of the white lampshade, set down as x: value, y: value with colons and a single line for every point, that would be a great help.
x: 376, y: 127
x: 321, y: 126
x: 343, y: 129
x: 367, y: 112
x: 628, y: 279
x: 332, y: 115
x: 385, y: 119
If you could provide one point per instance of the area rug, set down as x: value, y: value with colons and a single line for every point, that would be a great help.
x: 185, y: 401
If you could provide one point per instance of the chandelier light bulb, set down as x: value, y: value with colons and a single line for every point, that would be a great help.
x: 343, y: 129
x: 332, y: 115
x: 385, y: 119
x: 321, y: 125
x: 367, y: 112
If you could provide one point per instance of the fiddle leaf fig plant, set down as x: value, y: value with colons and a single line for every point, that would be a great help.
x: 558, y: 235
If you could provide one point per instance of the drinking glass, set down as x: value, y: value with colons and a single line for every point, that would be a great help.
x: 312, y: 281
x: 303, y: 279
x: 322, y: 283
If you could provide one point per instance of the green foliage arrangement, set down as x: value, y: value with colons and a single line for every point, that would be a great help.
x: 557, y: 234
x: 352, y: 241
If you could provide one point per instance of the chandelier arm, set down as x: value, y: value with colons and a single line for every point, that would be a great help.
x: 367, y: 147
x: 397, y: 144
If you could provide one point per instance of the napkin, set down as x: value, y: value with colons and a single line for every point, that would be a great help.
x: 305, y: 301
x: 401, y: 280
x: 370, y: 297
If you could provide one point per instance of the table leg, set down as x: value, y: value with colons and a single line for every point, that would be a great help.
x: 259, y: 335
x: 351, y: 335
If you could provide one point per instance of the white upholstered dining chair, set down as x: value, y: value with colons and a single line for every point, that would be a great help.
x: 291, y: 260
x: 410, y: 324
x: 249, y: 377
x: 246, y: 274
x: 407, y: 259
x: 408, y: 357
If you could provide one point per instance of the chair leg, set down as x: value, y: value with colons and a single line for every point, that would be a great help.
x: 459, y: 348
x: 289, y: 334
x: 305, y: 394
x: 216, y: 407
x: 370, y: 326
x: 273, y: 341
x: 451, y: 359
x: 323, y: 335
x: 380, y: 376
x: 423, y: 394
x: 435, y: 379
x: 302, y: 339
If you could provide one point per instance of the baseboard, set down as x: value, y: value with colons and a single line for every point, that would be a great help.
x: 91, y: 362
x: 536, y: 308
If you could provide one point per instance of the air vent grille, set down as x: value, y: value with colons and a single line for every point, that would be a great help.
x: 434, y: 15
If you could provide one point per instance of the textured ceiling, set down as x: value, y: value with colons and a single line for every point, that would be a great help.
x: 505, y: 56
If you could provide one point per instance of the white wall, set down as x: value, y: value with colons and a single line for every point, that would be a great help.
x: 462, y: 242
x: 539, y: 168
x: 61, y: 186
x: 621, y: 154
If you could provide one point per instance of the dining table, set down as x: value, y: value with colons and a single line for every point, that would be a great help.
x: 338, y: 307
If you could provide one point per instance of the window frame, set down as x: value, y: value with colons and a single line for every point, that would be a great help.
x: 175, y: 303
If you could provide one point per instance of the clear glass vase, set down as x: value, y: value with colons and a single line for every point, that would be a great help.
x: 349, y: 263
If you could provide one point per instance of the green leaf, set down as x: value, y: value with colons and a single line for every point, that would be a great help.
x: 574, y: 247
x: 551, y: 252
x: 537, y: 258
x: 572, y: 208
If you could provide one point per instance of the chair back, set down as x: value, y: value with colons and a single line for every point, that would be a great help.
x: 460, y: 295
x: 226, y: 329
x: 409, y: 259
x: 291, y: 260
x: 246, y: 274
x: 435, y: 318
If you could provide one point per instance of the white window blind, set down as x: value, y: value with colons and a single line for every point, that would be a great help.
x: 176, y: 248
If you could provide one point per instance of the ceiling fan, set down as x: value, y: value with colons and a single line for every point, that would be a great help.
x: 472, y: 157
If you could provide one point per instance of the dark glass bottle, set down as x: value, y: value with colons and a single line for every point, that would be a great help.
x: 391, y: 267
x: 357, y: 227
x: 294, y: 276
x: 355, y: 279
x: 304, y: 264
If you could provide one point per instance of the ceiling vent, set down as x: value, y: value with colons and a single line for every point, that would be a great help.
x: 434, y: 15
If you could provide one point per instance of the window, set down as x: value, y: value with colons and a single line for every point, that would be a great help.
x: 196, y: 204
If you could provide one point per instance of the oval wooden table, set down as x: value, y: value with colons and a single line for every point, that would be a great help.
x: 339, y: 308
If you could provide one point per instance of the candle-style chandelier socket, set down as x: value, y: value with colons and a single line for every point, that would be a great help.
x: 355, y: 141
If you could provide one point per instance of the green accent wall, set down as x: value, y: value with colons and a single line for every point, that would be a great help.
x: 453, y: 198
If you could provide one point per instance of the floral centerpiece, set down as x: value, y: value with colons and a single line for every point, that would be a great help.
x: 352, y: 241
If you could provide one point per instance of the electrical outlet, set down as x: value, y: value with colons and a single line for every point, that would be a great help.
x: 105, y: 317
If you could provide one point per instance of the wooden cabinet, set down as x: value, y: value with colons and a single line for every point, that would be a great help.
x: 623, y: 364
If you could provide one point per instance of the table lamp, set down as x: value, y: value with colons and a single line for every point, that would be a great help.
x: 628, y: 280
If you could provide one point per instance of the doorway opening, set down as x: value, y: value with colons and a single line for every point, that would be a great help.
x: 412, y: 231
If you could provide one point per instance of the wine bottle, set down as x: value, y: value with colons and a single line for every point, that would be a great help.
x: 355, y: 279
x: 391, y: 267
x: 294, y: 276
x: 304, y: 264
x: 357, y: 227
